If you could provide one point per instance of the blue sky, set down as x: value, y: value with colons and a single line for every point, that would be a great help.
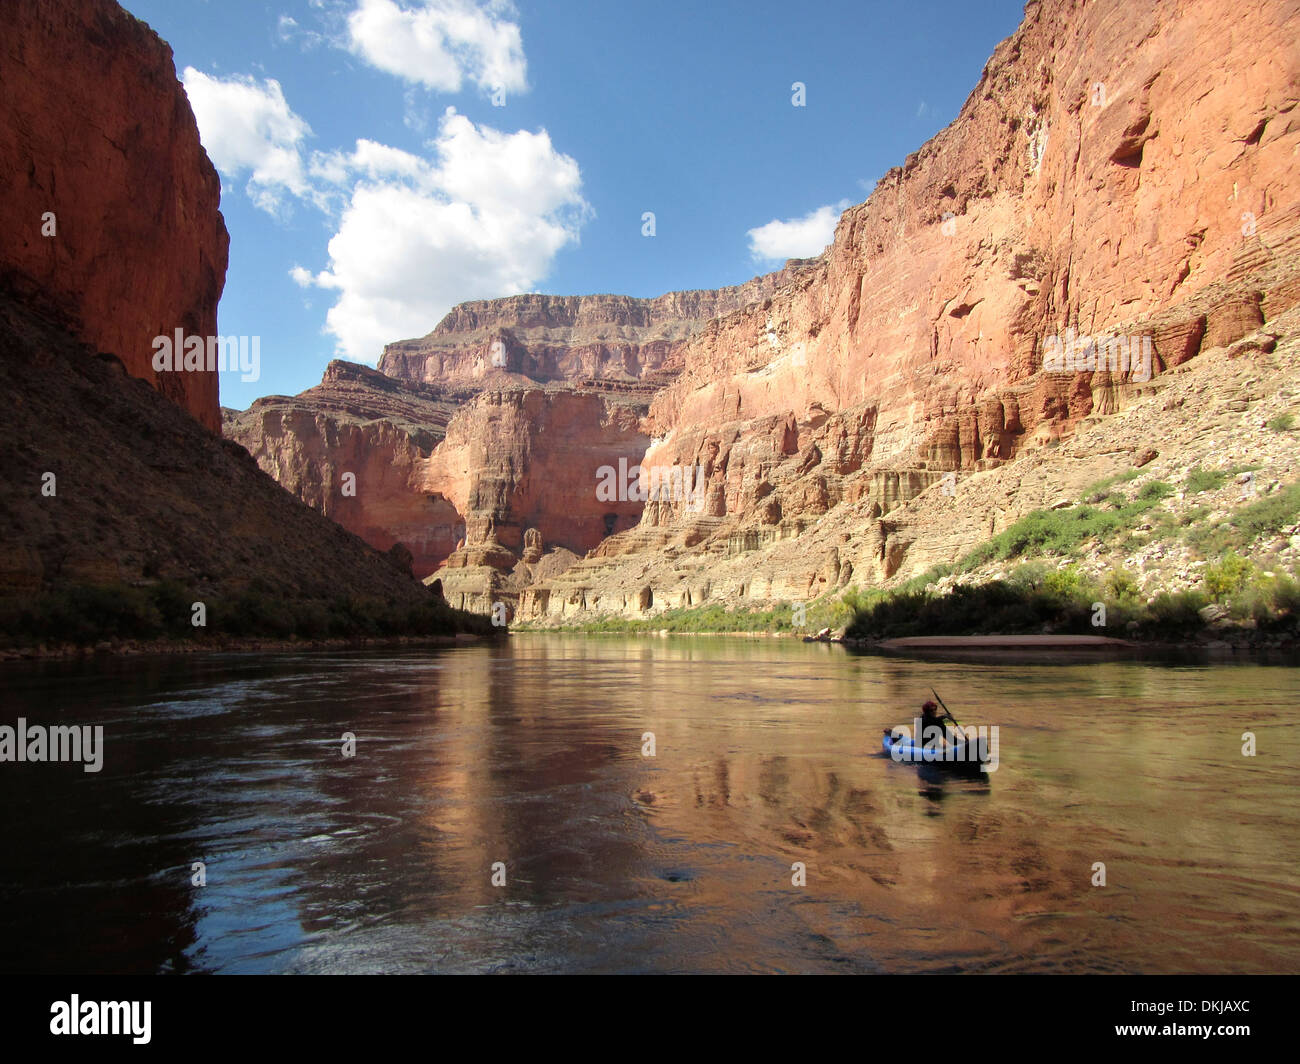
x: 361, y: 209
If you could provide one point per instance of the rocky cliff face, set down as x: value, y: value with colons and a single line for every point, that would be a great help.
x: 1106, y: 168
x: 437, y: 469
x: 1109, y: 175
x: 139, y: 493
x: 1115, y: 188
x: 526, y: 437
x: 109, y: 205
x: 604, y: 340
x: 524, y: 468
x: 120, y: 511
x: 354, y: 448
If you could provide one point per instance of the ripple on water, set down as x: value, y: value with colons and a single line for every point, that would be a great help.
x: 530, y: 754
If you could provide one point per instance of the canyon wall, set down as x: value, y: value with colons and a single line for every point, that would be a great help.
x: 1119, y: 171
x: 1107, y: 167
x: 438, y: 469
x: 1109, y: 174
x: 524, y: 467
x: 122, y: 512
x: 108, y: 203
x: 603, y: 340
x: 353, y: 448
x: 534, y: 394
x: 142, y: 494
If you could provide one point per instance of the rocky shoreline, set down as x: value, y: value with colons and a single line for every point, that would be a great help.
x: 123, y: 648
x: 1241, y: 639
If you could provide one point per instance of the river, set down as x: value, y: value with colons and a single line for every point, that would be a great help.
x: 501, y: 810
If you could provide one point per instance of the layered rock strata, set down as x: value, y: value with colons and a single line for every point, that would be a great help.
x: 1114, y: 200
x: 1108, y: 175
x: 353, y: 448
x: 602, y: 341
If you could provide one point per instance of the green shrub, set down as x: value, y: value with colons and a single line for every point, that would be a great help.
x: 1253, y: 602
x: 1034, y: 596
x: 931, y: 576
x: 88, y: 614
x: 1120, y: 586
x: 1281, y: 423
x: 825, y: 612
x: 1046, y: 531
x: 1269, y: 600
x: 1199, y: 480
x: 1270, y: 514
x: 1227, y: 577
x: 1286, y: 595
x: 314, y: 621
x: 1028, y: 576
x: 1179, y: 610
x: 1267, y: 516
x: 1213, y: 540
x: 853, y: 599
x: 1094, y: 493
x: 174, y: 602
x: 1068, y: 585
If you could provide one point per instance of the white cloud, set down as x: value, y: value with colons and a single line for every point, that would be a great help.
x: 374, y: 160
x: 481, y: 213
x: 796, y: 238
x: 288, y: 30
x: 248, y: 128
x: 483, y: 217
x: 440, y: 44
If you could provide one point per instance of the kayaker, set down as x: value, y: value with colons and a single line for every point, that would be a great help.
x: 931, y: 717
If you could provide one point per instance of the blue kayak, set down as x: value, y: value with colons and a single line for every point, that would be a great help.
x: 952, y: 755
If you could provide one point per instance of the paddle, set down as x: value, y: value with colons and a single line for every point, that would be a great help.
x: 947, y: 711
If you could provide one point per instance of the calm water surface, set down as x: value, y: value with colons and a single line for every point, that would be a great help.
x: 530, y: 754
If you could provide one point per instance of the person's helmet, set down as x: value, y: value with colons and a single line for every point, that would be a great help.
x: 929, y: 707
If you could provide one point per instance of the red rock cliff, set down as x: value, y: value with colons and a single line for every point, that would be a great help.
x: 1119, y: 168
x: 1113, y: 162
x: 378, y: 430
x: 98, y: 132
x: 607, y: 338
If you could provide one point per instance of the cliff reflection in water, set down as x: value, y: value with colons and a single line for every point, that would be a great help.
x: 765, y: 756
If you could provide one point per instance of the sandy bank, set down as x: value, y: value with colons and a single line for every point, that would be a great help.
x: 1018, y: 642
